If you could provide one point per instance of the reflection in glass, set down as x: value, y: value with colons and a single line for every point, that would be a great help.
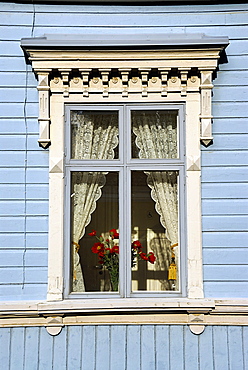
x: 155, y: 225
x: 94, y: 207
x: 94, y: 134
x: 154, y: 134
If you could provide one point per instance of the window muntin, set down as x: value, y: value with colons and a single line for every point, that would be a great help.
x: 131, y: 283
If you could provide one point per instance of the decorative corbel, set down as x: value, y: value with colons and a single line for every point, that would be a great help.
x: 124, y: 78
x: 184, y: 78
x: 65, y: 78
x: 54, y: 325
x: 44, y: 109
x: 85, y: 78
x: 196, y: 323
x: 105, y: 78
x: 144, y: 78
x: 164, y: 79
x: 206, y: 111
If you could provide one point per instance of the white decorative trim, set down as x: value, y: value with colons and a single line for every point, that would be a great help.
x: 162, y: 75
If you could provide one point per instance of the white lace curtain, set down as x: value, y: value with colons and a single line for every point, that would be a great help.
x: 156, y: 137
x: 94, y: 136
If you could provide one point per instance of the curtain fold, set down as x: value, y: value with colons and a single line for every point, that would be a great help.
x: 156, y: 137
x: 94, y: 136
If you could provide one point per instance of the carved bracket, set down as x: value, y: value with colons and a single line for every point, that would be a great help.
x: 44, y: 109
x: 206, y: 107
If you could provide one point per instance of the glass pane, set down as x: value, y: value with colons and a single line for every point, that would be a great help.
x: 95, y: 242
x: 154, y: 134
x: 94, y: 134
x: 154, y: 230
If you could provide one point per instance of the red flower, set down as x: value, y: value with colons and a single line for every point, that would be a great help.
x: 136, y: 245
x: 151, y: 257
x: 114, y: 234
x: 115, y: 249
x: 98, y: 248
x: 143, y: 256
x: 93, y: 233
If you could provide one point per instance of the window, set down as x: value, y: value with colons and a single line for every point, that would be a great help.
x: 125, y: 171
x: 135, y: 84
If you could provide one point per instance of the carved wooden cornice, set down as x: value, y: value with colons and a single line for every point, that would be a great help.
x: 166, y: 69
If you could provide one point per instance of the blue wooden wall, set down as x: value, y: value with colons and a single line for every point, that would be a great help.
x: 124, y: 348
x: 24, y: 166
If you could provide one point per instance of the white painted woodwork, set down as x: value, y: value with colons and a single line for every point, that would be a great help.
x: 181, y: 76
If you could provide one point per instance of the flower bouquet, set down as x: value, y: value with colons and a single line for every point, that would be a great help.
x: 108, y: 254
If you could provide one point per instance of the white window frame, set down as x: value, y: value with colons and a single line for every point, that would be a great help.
x: 118, y: 165
x: 187, y: 54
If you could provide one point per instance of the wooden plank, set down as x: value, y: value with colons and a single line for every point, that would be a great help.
x: 38, y: 158
x: 225, y: 256
x: 17, y: 126
x: 12, y: 191
x: 235, y: 347
x: 17, y: 95
x: 37, y: 240
x: 60, y: 351
x: 133, y: 347
x: 18, y: 79
x: 36, y: 258
x: 225, y: 273
x: 31, y: 348
x: 11, y: 258
x: 231, y: 78
x: 224, y: 223
x: 225, y: 109
x: 226, y: 126
x: 89, y: 348
x: 74, y: 348
x: 12, y: 240
x: 37, y: 191
x: 118, y: 347
x: 17, y: 348
x: 39, y: 224
x: 18, y: 18
x: 176, y: 341
x: 219, y: 289
x: 37, y: 207
x: 102, y: 347
x: 46, y: 348
x: 225, y: 206
x: 12, y: 207
x: 191, y: 350
x: 232, y: 94
x: 229, y: 142
x: 206, y: 349
x: 245, y: 346
x: 224, y: 158
x: 11, y: 224
x: 147, y: 347
x: 5, y: 347
x: 17, y: 110
x: 221, y: 175
x: 37, y: 175
x: 12, y: 159
x: 225, y: 239
x: 144, y: 19
x: 36, y: 275
x: 12, y: 175
x: 162, y: 347
x: 225, y: 190
x: 220, y: 347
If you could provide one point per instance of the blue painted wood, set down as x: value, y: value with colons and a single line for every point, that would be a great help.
x: 206, y: 349
x: 31, y: 348
x: 224, y: 223
x: 225, y: 289
x: 102, y: 347
x: 229, y: 142
x: 162, y: 347
x: 133, y: 347
x: 221, y: 126
x: 225, y: 273
x: 224, y: 158
x: 225, y: 239
x: 74, y: 358
x: 5, y: 347
x: 245, y: 346
x: 220, y: 357
x: 228, y: 190
x: 89, y: 348
x: 13, y: 240
x: 224, y: 175
x: 15, y: 207
x: 118, y: 347
x: 60, y: 351
x: 235, y: 349
x: 225, y: 256
x: 46, y: 349
x: 147, y: 347
x: 225, y: 206
x: 17, y: 344
x: 36, y: 240
x: 191, y: 350
x: 176, y: 341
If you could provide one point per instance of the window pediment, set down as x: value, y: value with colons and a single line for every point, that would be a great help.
x: 157, y: 67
